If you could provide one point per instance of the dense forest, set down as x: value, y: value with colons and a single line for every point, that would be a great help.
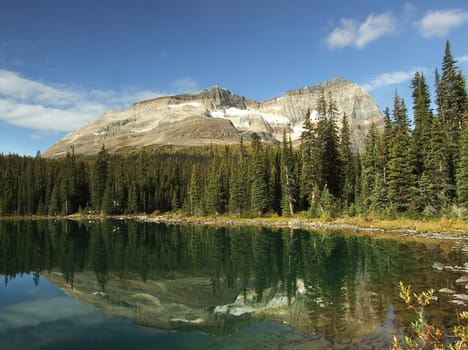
x: 417, y: 169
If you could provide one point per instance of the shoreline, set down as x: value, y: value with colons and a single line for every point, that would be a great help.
x: 442, y: 229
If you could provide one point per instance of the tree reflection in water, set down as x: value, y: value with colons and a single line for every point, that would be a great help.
x: 220, y: 279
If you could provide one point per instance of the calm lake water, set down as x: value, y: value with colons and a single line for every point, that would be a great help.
x: 120, y: 285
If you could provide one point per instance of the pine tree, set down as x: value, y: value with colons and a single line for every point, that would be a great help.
x: 194, y: 191
x: 370, y: 169
x: 422, y: 122
x: 100, y: 178
x: 326, y: 156
x: 288, y: 182
x: 451, y: 106
x: 215, y: 191
x: 54, y: 206
x: 462, y: 170
x: 132, y: 201
x: 347, y: 159
x: 108, y: 198
x: 307, y: 169
x: 401, y: 179
x: 260, y: 198
x: 238, y: 196
x: 238, y: 185
x: 385, y: 144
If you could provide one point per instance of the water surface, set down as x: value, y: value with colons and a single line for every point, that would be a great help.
x: 117, y: 285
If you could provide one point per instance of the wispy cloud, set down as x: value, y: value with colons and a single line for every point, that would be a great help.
x: 359, y: 35
x: 33, y: 104
x: 389, y: 79
x: 462, y: 59
x: 440, y: 23
x: 184, y: 85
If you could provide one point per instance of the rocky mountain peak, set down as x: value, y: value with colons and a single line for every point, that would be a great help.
x: 219, y: 97
x: 216, y: 115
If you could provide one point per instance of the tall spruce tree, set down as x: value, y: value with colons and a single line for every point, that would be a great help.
x: 100, y: 174
x: 194, y: 191
x: 238, y: 186
x: 328, y: 156
x: 451, y: 106
x: 462, y: 170
x: 288, y: 182
x: 215, y: 190
x: 260, y: 198
x: 401, y: 178
x: 421, y: 135
x: 307, y: 173
x: 346, y: 154
x: 370, y: 169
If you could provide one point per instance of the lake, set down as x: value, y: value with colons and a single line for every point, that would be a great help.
x: 120, y: 285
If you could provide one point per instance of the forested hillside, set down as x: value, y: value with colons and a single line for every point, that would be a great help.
x: 417, y: 169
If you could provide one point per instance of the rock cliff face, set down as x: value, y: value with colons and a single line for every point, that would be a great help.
x: 216, y: 115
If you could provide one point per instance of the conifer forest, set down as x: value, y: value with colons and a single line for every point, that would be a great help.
x: 415, y: 168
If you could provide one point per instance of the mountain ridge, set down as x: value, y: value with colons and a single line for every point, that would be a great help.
x: 217, y: 116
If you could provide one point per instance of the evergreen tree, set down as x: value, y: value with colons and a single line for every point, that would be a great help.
x: 194, y: 191
x: 215, y: 191
x: 327, y: 157
x: 422, y: 122
x: 107, y: 204
x: 307, y: 169
x: 238, y: 186
x: 347, y: 159
x: 370, y: 169
x: 260, y: 198
x: 288, y: 182
x: 451, y: 106
x: 401, y: 179
x: 100, y: 178
x: 462, y: 171
x: 132, y: 201
x: 54, y: 206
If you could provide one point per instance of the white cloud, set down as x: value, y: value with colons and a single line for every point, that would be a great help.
x: 36, y: 105
x: 184, y: 85
x: 392, y: 78
x: 409, y: 9
x: 439, y: 23
x: 462, y: 59
x: 359, y: 35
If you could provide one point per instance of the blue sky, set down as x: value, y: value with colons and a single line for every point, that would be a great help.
x: 62, y: 63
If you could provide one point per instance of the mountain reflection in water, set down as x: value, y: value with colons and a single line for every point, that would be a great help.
x: 222, y: 280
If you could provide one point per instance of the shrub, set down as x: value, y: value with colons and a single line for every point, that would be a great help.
x: 426, y: 335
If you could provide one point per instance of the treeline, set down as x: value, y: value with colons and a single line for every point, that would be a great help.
x: 418, y: 170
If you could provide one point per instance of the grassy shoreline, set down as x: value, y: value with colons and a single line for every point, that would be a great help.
x: 442, y: 226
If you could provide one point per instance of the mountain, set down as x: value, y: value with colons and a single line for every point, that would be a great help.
x: 218, y: 116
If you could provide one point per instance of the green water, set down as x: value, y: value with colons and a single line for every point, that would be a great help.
x: 120, y: 285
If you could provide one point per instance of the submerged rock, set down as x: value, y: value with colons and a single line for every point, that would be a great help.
x: 446, y: 291
x: 457, y: 302
x: 438, y: 266
x: 463, y: 297
x: 462, y: 279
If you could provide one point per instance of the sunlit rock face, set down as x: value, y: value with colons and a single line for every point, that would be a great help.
x: 218, y: 116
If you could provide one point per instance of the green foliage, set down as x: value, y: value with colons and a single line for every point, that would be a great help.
x: 424, y: 334
x: 288, y: 180
x: 260, y: 196
x: 462, y: 170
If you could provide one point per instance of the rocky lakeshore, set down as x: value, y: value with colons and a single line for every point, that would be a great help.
x: 459, y: 235
x: 458, y: 293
